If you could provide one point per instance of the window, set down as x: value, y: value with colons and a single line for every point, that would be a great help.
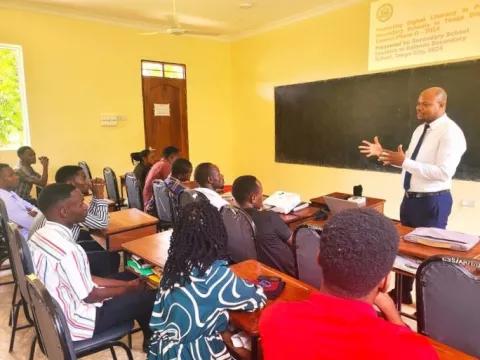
x: 165, y: 70
x: 14, y: 130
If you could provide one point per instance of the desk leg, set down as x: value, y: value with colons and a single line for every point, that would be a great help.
x: 398, y: 291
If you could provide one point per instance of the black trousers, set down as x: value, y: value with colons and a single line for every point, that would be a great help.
x: 102, y: 262
x: 429, y: 211
x: 132, y: 306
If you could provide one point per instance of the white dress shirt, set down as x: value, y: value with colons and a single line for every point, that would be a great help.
x: 214, y: 197
x: 438, y: 158
x: 18, y: 211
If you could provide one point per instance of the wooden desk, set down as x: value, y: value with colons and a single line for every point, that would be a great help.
x: 152, y: 248
x: 374, y: 203
x: 125, y: 225
x: 297, y: 218
x: 296, y: 290
x: 424, y: 252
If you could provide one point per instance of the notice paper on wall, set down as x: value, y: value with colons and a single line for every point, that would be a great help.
x: 161, y: 109
x: 412, y: 32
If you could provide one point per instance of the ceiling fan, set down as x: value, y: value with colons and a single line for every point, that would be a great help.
x: 176, y: 28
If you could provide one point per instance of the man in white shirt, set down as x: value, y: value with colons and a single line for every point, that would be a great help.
x: 435, y: 150
x: 91, y: 304
x: 209, y: 179
x: 19, y: 211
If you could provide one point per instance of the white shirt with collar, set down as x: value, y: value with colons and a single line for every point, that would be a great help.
x: 212, y: 196
x: 438, y: 158
x: 62, y: 266
x: 18, y: 211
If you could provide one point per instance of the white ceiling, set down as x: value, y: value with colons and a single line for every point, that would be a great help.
x: 224, y: 17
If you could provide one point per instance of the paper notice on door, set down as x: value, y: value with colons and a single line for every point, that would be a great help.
x: 161, y: 109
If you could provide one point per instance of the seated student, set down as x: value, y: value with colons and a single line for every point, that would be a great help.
x: 197, y: 289
x: 97, y: 215
x: 28, y: 176
x: 90, y: 304
x: 210, y: 180
x: 273, y: 236
x: 19, y: 211
x: 144, y: 161
x: 102, y: 262
x: 181, y: 172
x: 358, y: 248
x: 160, y: 170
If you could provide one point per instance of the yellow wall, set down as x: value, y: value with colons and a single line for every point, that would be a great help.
x: 76, y: 70
x: 329, y: 46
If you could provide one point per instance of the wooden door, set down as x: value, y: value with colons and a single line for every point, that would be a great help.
x: 165, y: 113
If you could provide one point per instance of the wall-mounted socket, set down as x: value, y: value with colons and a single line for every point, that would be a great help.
x: 467, y: 203
x: 109, y: 119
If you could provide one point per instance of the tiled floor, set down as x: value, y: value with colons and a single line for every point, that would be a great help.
x: 24, y: 338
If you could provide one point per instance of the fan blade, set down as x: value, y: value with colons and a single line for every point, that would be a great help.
x: 200, y: 32
x: 149, y: 33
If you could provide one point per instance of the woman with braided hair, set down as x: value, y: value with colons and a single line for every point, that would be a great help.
x: 197, y: 290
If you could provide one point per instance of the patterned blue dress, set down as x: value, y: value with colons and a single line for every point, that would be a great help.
x: 187, y: 320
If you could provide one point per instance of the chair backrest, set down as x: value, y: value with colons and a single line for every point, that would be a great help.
x: 241, y: 233
x: 162, y: 200
x: 306, y: 242
x: 86, y: 169
x: 3, y: 211
x: 112, y: 186
x: 134, y: 194
x: 3, y: 237
x: 16, y: 263
x: 447, y: 302
x: 188, y: 196
x: 50, y: 321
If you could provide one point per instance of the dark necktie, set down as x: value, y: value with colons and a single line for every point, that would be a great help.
x: 408, y: 176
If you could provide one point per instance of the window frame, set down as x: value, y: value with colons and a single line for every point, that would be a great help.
x: 163, y: 63
x: 18, y: 51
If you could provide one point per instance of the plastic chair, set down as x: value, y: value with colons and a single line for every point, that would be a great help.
x: 163, y: 203
x: 188, y: 196
x: 241, y: 233
x: 447, y: 302
x: 134, y: 194
x: 306, y: 242
x: 112, y: 187
x: 19, y: 272
x: 86, y: 169
x: 53, y: 330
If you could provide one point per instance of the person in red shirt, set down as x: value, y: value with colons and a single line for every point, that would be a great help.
x: 358, y: 248
x: 160, y: 170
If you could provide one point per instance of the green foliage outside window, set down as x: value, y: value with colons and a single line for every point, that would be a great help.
x: 11, y: 121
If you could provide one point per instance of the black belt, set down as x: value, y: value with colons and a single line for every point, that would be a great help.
x: 417, y: 195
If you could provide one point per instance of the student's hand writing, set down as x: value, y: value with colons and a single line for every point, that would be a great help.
x: 32, y: 213
x: 371, y: 149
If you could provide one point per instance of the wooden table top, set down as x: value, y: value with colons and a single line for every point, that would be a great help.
x: 153, y: 248
x: 296, y: 290
x: 320, y: 201
x: 128, y: 219
x: 306, y: 213
x: 424, y: 252
x: 250, y: 270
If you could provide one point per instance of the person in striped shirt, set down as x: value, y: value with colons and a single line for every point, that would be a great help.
x: 102, y: 263
x: 90, y: 304
x: 197, y: 290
